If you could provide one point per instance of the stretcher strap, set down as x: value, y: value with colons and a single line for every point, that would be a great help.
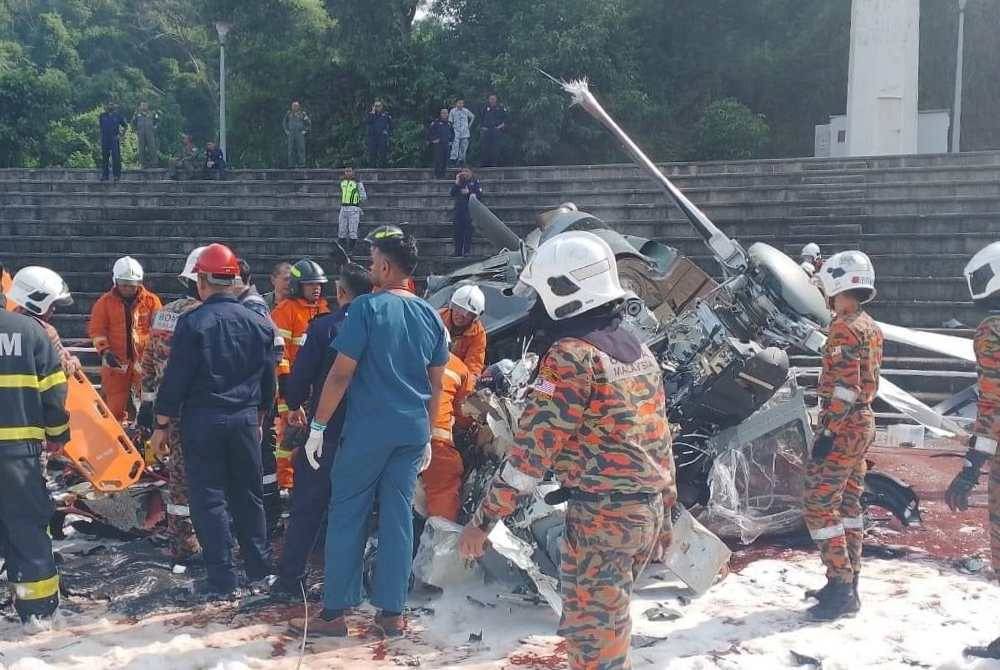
x: 827, y: 533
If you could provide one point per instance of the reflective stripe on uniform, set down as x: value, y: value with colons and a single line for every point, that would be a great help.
x: 178, y: 510
x: 853, y: 522
x: 845, y: 394
x: 148, y: 396
x: 279, y: 341
x: 827, y: 533
x: 282, y: 453
x: 43, y: 588
x: 54, y: 431
x: 986, y: 445
x: 32, y: 382
x: 452, y: 375
x: 269, y: 479
x: 287, y: 334
x: 25, y: 433
x: 282, y: 408
x: 54, y: 379
x: 442, y: 434
x: 300, y: 340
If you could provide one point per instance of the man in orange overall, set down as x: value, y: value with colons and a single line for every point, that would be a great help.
x: 119, y: 327
x: 292, y: 317
x: 835, y: 475
x: 462, y: 319
x: 442, y: 480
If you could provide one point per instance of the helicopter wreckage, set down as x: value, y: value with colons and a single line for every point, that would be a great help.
x: 742, y: 428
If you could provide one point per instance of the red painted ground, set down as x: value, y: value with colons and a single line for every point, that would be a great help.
x: 943, y: 535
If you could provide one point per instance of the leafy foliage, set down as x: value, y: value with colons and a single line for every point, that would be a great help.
x: 691, y: 80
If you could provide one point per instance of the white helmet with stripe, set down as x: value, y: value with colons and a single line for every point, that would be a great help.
x: 982, y: 273
x: 572, y: 273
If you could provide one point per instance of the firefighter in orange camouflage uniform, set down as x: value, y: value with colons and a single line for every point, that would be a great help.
x: 596, y: 417
x: 183, y: 543
x: 835, y: 475
x: 983, y: 276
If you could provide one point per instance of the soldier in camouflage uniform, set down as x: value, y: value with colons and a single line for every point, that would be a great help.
x: 835, y: 475
x: 983, y: 277
x: 180, y: 530
x: 596, y: 417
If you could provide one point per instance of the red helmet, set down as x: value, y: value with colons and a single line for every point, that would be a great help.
x: 219, y: 261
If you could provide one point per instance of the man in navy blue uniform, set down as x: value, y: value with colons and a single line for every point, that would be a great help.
x: 219, y: 380
x: 112, y: 123
x: 312, y: 476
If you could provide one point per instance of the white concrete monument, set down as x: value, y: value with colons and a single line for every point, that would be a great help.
x: 882, y: 77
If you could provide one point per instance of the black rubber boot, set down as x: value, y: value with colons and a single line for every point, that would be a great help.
x: 992, y: 650
x: 838, y: 602
x: 818, y: 594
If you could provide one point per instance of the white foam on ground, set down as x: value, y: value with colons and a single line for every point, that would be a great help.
x: 914, y: 615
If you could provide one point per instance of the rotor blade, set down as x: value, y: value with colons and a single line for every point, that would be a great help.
x: 495, y: 230
x: 946, y: 345
x: 918, y: 411
x: 727, y: 251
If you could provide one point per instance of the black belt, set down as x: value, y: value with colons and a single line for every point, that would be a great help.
x: 561, y: 495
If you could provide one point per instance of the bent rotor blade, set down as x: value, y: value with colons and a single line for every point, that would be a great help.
x: 730, y: 254
x: 946, y: 345
x: 906, y: 402
x: 492, y: 228
x: 918, y: 411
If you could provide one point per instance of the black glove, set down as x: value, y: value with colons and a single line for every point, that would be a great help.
x: 957, y: 495
x: 146, y: 417
x: 108, y: 359
x: 822, y: 446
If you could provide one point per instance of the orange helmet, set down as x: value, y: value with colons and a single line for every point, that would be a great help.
x: 219, y: 262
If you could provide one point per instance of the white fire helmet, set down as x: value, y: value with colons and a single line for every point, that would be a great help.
x: 127, y: 271
x: 810, y: 251
x: 188, y: 274
x: 572, y: 273
x: 470, y: 298
x: 848, y: 271
x: 982, y: 273
x: 37, y: 289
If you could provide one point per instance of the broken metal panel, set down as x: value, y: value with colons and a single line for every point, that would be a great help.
x: 905, y: 402
x: 695, y: 554
x: 437, y: 561
x: 758, y: 475
x: 519, y: 552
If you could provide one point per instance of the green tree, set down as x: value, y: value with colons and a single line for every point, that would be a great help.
x: 729, y: 130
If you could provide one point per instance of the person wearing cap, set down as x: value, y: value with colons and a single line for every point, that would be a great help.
x: 462, y: 319
x: 182, y: 542
x: 218, y: 382
x: 119, y: 327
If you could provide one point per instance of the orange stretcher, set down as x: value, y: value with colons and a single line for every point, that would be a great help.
x: 99, y: 446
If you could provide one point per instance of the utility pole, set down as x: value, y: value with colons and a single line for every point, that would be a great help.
x: 222, y: 28
x: 956, y: 120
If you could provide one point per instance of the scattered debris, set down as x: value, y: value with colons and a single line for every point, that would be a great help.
x: 801, y: 660
x: 662, y: 613
x: 476, y: 637
x: 970, y: 565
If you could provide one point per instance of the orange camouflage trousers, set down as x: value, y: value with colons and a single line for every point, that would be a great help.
x: 994, y: 487
x: 833, y: 497
x: 605, y: 548
x: 183, y: 542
